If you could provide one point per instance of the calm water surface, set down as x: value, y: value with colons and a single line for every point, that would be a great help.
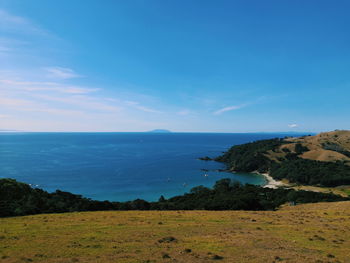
x: 119, y: 166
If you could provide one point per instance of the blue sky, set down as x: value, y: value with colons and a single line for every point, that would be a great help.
x: 207, y: 66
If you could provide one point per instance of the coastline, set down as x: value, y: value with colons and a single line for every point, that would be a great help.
x: 272, y: 183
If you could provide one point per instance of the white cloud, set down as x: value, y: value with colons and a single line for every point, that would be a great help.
x: 61, y: 73
x: 14, y: 102
x: 63, y: 89
x: 38, y: 96
x: 146, y: 109
x: 22, y: 95
x: 11, y: 47
x: 131, y: 103
x: 230, y: 108
x: 294, y: 125
x: 184, y: 112
x: 25, y: 83
x: 140, y: 107
x: 69, y: 106
x: 4, y: 49
x: 7, y: 18
x: 45, y: 86
x: 22, y: 39
x: 17, y: 24
x: 82, y: 101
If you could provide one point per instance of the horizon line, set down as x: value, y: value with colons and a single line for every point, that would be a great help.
x: 169, y: 132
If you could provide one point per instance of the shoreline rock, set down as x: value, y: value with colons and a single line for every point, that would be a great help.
x: 206, y: 158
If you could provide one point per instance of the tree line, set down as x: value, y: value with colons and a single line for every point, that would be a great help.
x: 312, y: 172
x: 18, y: 199
x: 250, y: 157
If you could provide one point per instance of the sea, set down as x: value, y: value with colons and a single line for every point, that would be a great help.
x: 121, y: 166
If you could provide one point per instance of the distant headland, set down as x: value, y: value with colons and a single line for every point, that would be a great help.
x: 320, y: 160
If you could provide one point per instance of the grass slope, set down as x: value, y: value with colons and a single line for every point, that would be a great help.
x: 305, y: 233
x: 325, y: 147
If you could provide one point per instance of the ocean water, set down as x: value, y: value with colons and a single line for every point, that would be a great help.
x: 120, y: 166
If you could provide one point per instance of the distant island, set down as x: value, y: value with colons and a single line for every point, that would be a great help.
x: 160, y: 131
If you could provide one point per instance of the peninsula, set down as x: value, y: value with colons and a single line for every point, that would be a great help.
x: 322, y: 160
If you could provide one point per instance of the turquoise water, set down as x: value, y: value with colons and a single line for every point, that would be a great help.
x: 119, y: 166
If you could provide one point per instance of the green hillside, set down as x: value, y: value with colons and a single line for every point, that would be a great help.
x: 320, y: 160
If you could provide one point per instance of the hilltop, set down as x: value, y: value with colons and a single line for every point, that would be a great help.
x: 311, y: 233
x: 326, y: 147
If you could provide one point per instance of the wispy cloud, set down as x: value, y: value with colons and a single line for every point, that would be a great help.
x: 140, y: 107
x: 184, y: 112
x: 45, y: 86
x: 83, y: 102
x: 48, y: 105
x: 229, y: 108
x: 15, y: 102
x: 10, y: 46
x: 25, y: 96
x: 21, y: 40
x: 4, y: 49
x: 44, y: 96
x: 294, y: 125
x: 63, y: 89
x: 62, y: 73
x: 17, y: 24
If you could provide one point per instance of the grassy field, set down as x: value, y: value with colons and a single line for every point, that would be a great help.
x: 305, y: 233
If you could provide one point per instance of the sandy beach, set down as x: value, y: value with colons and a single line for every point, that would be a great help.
x: 272, y: 183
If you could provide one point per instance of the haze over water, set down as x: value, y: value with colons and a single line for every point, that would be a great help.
x: 120, y: 166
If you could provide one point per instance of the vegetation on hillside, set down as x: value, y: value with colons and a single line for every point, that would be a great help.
x: 283, y: 159
x: 250, y: 157
x: 18, y: 199
x: 229, y: 195
x: 312, y: 172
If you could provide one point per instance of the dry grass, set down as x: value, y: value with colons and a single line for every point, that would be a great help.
x: 306, y: 233
x: 342, y: 191
x: 314, y: 143
x: 324, y: 155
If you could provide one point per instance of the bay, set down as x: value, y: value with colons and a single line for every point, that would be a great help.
x: 120, y: 166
